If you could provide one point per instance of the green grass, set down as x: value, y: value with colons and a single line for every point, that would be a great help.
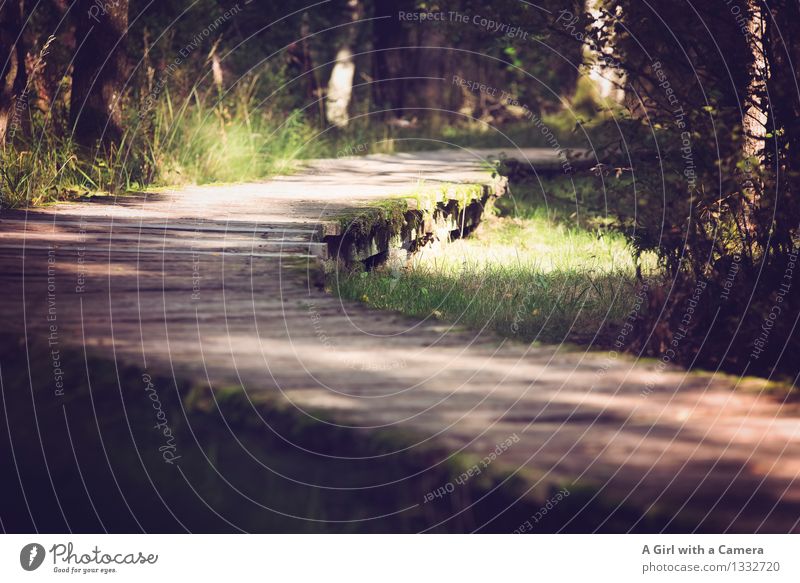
x: 195, y: 141
x: 232, y: 141
x: 32, y: 176
x: 198, y: 139
x: 376, y: 137
x: 540, y: 271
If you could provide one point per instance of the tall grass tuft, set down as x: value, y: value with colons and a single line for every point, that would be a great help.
x: 203, y: 140
x: 197, y: 140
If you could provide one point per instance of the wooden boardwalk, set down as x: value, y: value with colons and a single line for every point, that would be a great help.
x: 204, y: 283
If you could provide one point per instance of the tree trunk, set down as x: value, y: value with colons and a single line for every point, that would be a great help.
x: 755, y: 115
x: 784, y: 64
x: 754, y: 119
x: 387, y: 34
x: 782, y: 44
x: 313, y: 91
x: 340, y: 86
x: 12, y: 67
x: 100, y: 72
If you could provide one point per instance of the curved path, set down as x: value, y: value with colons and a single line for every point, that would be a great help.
x: 207, y: 283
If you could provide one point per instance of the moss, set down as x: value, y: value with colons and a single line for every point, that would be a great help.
x: 361, y: 222
x: 368, y: 232
x: 427, y: 198
x: 395, y: 213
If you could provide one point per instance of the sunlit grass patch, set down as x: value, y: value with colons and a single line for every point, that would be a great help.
x: 532, y: 275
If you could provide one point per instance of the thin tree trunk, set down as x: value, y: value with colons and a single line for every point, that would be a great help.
x: 340, y: 86
x: 754, y: 120
x: 99, y: 74
x: 12, y: 67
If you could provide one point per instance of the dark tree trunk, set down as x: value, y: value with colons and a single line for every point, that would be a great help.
x: 12, y: 66
x: 784, y: 63
x: 387, y: 34
x: 100, y: 72
x: 782, y: 46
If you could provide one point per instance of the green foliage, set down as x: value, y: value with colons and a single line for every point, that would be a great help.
x: 665, y: 195
x: 199, y: 140
x: 53, y: 168
x: 261, y: 110
x: 683, y: 185
x: 203, y: 141
x: 28, y: 178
